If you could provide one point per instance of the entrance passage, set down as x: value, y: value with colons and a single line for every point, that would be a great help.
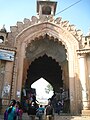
x: 47, y: 68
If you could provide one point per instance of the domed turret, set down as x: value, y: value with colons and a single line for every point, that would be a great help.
x: 3, y: 29
x: 3, y: 34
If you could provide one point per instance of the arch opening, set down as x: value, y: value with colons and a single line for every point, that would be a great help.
x: 47, y: 68
x: 44, y: 90
x: 1, y: 39
x: 46, y: 10
x: 47, y: 58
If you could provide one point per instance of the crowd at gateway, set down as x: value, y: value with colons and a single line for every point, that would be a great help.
x: 34, y: 109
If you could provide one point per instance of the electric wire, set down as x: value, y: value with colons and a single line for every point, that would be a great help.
x: 68, y: 7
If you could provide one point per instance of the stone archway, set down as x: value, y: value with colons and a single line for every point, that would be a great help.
x: 51, y: 71
x: 66, y: 43
x: 49, y: 50
x: 47, y: 58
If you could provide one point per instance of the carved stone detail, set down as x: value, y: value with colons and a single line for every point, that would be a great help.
x: 15, y: 30
x: 48, y: 47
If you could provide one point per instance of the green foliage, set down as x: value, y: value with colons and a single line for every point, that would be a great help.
x: 48, y: 88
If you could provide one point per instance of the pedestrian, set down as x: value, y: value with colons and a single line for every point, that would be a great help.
x: 26, y: 105
x: 59, y: 107
x: 19, y: 110
x: 10, y: 112
x: 32, y: 111
x: 40, y: 112
x: 49, y: 112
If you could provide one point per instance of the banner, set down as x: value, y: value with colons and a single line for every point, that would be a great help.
x: 7, y: 55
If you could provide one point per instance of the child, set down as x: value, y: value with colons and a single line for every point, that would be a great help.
x: 19, y: 110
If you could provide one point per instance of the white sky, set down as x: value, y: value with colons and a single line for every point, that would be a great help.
x: 40, y: 86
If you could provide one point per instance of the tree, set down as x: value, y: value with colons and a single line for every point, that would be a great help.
x: 48, y: 88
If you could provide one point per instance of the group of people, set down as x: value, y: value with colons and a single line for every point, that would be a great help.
x: 13, y: 111
x: 34, y: 111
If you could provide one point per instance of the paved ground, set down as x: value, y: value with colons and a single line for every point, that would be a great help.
x: 63, y: 117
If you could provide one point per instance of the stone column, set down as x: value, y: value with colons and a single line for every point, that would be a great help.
x: 20, y: 71
x: 83, y: 80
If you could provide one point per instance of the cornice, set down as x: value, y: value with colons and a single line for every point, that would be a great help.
x: 83, y: 51
x: 8, y: 48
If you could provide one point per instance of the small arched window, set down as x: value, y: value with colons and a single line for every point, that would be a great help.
x: 1, y: 39
x: 46, y: 10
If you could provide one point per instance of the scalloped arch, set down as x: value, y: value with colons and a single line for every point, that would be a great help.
x: 61, y: 35
x: 33, y: 32
x: 49, y: 57
x: 46, y: 45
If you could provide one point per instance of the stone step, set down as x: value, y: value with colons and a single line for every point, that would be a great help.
x: 61, y: 117
x: 56, y: 117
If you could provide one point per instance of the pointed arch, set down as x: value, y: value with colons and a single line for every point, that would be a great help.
x: 46, y: 45
x: 55, y: 34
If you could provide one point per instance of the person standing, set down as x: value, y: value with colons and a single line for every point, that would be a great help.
x: 40, y: 112
x: 49, y: 112
x: 10, y: 112
x: 59, y: 107
x: 19, y: 110
x: 32, y: 111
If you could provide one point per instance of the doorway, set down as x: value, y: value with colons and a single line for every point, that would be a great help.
x: 47, y: 68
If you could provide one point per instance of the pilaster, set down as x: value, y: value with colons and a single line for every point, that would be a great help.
x: 20, y: 71
x: 72, y: 87
x: 83, y: 80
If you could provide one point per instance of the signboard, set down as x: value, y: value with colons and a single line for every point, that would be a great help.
x: 7, y: 55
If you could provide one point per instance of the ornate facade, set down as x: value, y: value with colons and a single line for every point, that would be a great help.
x: 44, y: 38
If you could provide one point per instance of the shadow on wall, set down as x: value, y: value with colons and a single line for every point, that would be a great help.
x: 78, y: 88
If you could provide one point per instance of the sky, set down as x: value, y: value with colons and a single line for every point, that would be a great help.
x: 40, y: 86
x: 12, y: 11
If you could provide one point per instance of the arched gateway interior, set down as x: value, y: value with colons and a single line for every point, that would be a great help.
x: 47, y: 68
x: 46, y: 57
